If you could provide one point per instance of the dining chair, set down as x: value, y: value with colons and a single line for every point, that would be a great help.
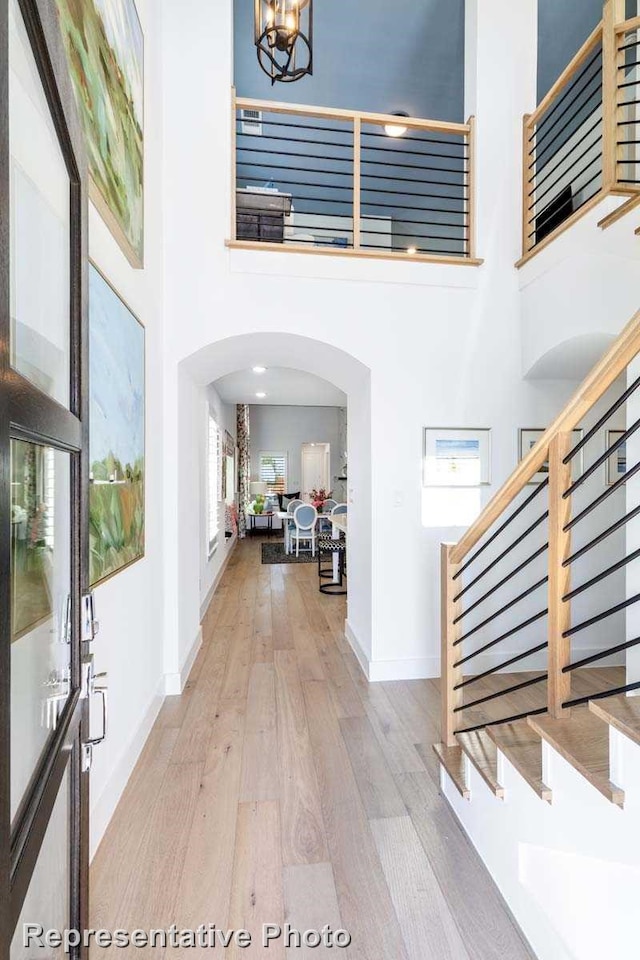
x: 324, y: 524
x: 288, y: 524
x: 304, y: 518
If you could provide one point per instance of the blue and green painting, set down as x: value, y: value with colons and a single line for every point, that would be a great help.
x: 117, y: 418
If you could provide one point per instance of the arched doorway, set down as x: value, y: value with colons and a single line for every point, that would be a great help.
x: 195, y: 374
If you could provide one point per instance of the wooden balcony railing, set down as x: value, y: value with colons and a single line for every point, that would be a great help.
x: 324, y: 181
x: 539, y: 583
x: 582, y: 141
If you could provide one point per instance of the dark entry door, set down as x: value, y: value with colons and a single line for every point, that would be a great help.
x: 46, y: 620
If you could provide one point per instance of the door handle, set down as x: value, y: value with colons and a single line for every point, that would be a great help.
x: 101, y: 691
x: 91, y: 689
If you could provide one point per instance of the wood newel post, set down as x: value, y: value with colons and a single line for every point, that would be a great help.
x: 449, y: 675
x: 357, y: 170
x: 234, y: 180
x: 472, y: 200
x: 526, y: 242
x: 559, y: 618
x: 613, y: 13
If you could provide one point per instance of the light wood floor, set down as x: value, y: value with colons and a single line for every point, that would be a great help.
x: 281, y: 786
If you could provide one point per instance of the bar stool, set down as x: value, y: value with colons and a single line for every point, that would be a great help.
x: 328, y: 547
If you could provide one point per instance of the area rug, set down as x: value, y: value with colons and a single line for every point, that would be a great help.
x: 274, y: 553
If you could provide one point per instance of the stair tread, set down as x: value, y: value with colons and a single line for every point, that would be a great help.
x: 483, y: 754
x: 620, y: 712
x: 452, y: 759
x: 522, y: 746
x: 583, y: 740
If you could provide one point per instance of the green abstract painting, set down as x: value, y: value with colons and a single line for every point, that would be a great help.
x: 117, y: 427
x: 105, y: 49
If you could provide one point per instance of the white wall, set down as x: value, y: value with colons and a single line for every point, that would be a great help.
x: 584, y: 283
x: 285, y: 429
x: 129, y: 645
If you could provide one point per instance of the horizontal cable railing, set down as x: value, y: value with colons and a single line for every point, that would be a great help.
x: 563, y: 146
x: 540, y: 588
x: 338, y: 181
x: 581, y: 143
x: 628, y: 103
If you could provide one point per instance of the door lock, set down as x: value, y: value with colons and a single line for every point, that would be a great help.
x: 90, y: 626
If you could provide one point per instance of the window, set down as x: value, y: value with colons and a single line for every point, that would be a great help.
x: 273, y: 472
x: 213, y: 483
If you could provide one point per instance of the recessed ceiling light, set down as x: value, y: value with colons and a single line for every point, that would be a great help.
x: 260, y: 396
x: 259, y: 369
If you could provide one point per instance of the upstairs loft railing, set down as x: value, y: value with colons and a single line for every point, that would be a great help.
x: 313, y: 179
x: 541, y: 586
x: 582, y: 142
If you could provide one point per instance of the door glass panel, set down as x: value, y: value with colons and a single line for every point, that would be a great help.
x: 40, y: 604
x: 40, y: 226
x: 47, y: 900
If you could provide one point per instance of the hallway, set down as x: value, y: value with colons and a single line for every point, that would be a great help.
x: 282, y: 787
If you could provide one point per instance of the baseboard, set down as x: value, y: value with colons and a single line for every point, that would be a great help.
x: 174, y: 683
x: 377, y: 671
x: 103, y: 808
x: 229, y: 548
x: 354, y: 643
x: 423, y: 668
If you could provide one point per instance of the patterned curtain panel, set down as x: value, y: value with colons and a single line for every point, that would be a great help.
x: 244, y: 466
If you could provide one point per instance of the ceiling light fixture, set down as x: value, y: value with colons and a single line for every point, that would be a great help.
x: 259, y: 369
x: 260, y: 396
x: 396, y: 129
x: 284, y: 38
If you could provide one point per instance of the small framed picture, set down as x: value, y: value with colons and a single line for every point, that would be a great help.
x: 617, y: 462
x: 456, y: 458
x: 528, y: 437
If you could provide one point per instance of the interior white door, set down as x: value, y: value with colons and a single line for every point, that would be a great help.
x: 315, y: 467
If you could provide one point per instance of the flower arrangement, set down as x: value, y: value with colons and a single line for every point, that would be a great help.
x: 318, y: 497
x: 259, y: 503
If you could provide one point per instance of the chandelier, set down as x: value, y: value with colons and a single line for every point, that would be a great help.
x: 283, y: 38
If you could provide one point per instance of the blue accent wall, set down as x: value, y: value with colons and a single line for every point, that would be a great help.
x: 371, y: 55
x: 388, y: 55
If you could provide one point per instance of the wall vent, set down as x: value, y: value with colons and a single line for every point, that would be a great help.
x: 252, y: 122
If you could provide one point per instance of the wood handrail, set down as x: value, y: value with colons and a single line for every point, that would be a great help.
x: 633, y: 23
x: 379, y: 119
x: 598, y: 381
x: 574, y: 64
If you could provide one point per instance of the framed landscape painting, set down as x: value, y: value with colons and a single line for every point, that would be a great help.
x: 456, y: 458
x: 117, y: 427
x: 105, y: 50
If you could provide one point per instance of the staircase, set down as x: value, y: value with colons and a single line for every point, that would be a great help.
x: 540, y: 729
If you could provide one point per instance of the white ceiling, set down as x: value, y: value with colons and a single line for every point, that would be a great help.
x: 283, y: 387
